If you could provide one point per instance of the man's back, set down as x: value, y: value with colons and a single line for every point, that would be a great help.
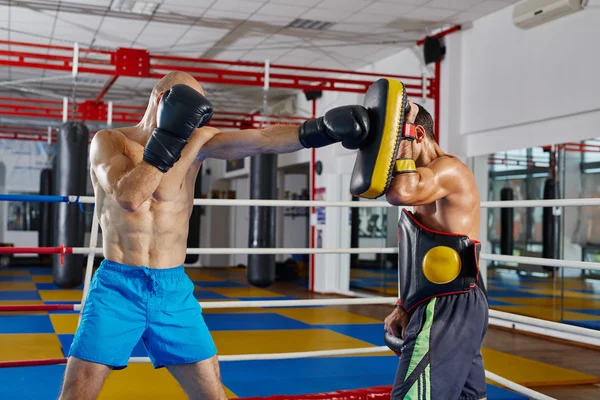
x: 153, y: 233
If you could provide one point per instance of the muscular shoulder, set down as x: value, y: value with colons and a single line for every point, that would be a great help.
x: 106, y: 142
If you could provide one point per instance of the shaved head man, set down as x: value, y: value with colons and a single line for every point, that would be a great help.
x: 143, y: 178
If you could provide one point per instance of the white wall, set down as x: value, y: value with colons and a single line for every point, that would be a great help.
x: 22, y: 163
x: 525, y: 88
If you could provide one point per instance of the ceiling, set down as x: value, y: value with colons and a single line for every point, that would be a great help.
x: 351, y: 34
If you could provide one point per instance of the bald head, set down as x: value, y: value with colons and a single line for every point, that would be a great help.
x: 174, y: 78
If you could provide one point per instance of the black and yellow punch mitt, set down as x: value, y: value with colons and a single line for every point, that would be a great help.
x: 387, y: 106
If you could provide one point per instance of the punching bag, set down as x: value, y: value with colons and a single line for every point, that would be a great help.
x: 263, y: 185
x: 70, y: 178
x: 507, y: 217
x: 46, y: 226
x: 193, y: 240
x: 550, y: 224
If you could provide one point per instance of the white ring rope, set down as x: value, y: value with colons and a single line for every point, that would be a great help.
x: 359, y: 204
x: 547, y: 262
x: 516, y: 387
x: 497, y: 317
x: 544, y: 324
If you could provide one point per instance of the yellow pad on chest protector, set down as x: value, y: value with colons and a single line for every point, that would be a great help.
x: 387, y: 105
x: 441, y: 265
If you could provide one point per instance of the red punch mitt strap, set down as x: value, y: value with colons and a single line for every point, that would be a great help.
x: 409, y: 132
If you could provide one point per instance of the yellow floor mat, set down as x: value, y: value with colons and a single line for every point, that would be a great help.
x: 142, y: 381
x: 547, y: 313
x: 532, y: 373
x: 26, y: 346
x: 325, y: 316
x: 282, y: 341
x: 61, y: 295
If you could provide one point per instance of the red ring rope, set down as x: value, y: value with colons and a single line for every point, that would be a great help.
x: 62, y: 250
x: 32, y: 363
x: 36, y: 250
x: 37, y: 307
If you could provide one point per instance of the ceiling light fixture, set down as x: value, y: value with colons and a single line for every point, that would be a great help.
x: 134, y: 7
x: 310, y: 24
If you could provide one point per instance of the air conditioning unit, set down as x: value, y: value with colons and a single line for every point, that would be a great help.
x: 530, y: 13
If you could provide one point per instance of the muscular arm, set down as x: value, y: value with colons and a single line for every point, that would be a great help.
x: 276, y: 139
x: 427, y: 185
x: 127, y: 184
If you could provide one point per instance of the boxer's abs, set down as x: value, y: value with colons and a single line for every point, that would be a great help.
x: 154, y: 236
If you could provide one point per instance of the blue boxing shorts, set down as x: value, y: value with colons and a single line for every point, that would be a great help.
x: 441, y: 354
x: 127, y: 303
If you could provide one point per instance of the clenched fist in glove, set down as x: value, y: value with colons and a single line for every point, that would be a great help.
x: 181, y: 111
x: 346, y: 124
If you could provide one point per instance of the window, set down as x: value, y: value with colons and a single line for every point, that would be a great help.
x: 23, y: 216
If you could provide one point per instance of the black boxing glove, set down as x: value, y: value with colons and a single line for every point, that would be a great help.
x: 346, y: 124
x: 394, y: 343
x: 181, y: 110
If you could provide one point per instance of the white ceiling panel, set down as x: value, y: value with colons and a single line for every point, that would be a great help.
x: 274, y: 20
x: 182, y: 9
x: 430, y: 14
x: 299, y: 61
x: 369, y: 19
x: 262, y: 55
x: 105, y: 3
x: 347, y: 5
x: 18, y: 16
x: 198, y: 34
x: 386, y: 8
x: 3, y: 14
x: 225, y: 14
x: 230, y: 55
x: 458, y: 5
x: 157, y: 35
x: 306, y: 3
x: 489, y: 6
x: 409, y: 2
x: 326, y: 14
x: 465, y: 17
x: 247, y: 6
x: 286, y: 10
x: 354, y: 28
x: 249, y: 30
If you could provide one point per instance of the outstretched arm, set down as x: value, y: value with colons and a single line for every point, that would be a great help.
x: 346, y: 124
x: 233, y: 145
x: 125, y: 183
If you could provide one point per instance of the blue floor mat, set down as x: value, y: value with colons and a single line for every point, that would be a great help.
x: 584, y: 324
x: 219, y: 284
x: 15, y: 279
x: 31, y: 383
x: 25, y: 324
x: 52, y: 286
x: 370, y: 333
x: 253, y: 321
x: 19, y: 295
x: 587, y: 311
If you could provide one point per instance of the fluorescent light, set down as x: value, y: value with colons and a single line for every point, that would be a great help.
x: 134, y: 7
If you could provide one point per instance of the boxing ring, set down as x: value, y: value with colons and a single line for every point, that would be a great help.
x: 496, y: 318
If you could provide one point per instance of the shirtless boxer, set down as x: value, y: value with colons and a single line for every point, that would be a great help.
x: 143, y: 178
x: 442, y: 313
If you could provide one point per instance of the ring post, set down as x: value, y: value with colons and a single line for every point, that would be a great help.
x: 90, y: 260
